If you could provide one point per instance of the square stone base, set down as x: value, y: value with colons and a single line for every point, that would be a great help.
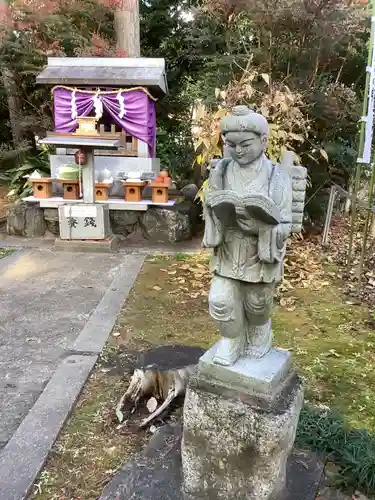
x: 236, y: 444
x: 250, y: 376
x: 155, y: 473
x: 109, y: 245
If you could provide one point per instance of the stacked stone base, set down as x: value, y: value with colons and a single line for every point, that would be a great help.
x: 157, y: 225
x: 236, y: 444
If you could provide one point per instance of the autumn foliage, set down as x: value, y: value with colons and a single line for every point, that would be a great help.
x: 33, y: 18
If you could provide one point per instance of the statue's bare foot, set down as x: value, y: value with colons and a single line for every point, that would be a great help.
x: 228, y: 352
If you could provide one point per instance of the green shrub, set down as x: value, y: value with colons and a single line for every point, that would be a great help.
x: 15, y: 178
x: 353, y: 450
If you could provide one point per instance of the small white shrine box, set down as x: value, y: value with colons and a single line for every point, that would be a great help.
x: 84, y: 221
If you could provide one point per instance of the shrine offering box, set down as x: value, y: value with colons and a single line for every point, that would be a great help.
x: 87, y: 126
x: 83, y: 221
x: 159, y: 192
x: 42, y: 188
x: 133, y: 190
x: 102, y: 191
x: 71, y: 189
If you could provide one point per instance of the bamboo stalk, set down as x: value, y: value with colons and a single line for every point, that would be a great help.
x: 329, y: 215
x: 370, y: 189
x: 367, y: 221
x: 358, y: 169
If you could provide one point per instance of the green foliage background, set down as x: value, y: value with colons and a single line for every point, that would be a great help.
x: 318, y: 49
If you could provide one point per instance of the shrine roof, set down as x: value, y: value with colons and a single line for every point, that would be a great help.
x: 106, y: 72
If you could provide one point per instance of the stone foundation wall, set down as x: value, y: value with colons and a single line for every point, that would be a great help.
x: 157, y: 224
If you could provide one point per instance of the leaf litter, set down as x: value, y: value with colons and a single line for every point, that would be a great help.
x: 303, y: 268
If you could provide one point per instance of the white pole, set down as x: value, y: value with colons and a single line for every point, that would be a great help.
x: 369, y: 119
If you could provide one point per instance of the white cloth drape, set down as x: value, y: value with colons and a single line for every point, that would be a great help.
x: 98, y: 106
x: 121, y: 100
x: 73, y: 105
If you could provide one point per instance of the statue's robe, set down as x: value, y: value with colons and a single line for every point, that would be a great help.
x: 246, y: 249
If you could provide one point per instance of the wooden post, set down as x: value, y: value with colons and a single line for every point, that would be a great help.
x: 88, y: 177
x: 127, y: 27
x: 328, y: 220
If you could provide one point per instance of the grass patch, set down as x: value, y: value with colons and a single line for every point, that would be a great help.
x: 168, y: 305
x: 4, y: 252
x: 352, y: 450
x: 333, y: 349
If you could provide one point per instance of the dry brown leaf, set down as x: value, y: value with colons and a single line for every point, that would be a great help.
x: 152, y: 404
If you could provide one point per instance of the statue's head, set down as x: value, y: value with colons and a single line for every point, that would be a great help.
x: 246, y: 134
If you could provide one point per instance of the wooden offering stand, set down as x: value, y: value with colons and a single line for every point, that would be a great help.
x: 42, y: 188
x: 160, y: 188
x: 70, y: 189
x: 133, y: 190
x: 102, y: 191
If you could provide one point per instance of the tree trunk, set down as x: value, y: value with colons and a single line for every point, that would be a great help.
x: 14, y: 105
x: 10, y: 85
x: 127, y: 28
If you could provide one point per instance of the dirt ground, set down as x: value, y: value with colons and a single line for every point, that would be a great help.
x: 329, y: 337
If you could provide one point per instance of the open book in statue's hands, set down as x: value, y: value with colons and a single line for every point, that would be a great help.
x: 257, y: 206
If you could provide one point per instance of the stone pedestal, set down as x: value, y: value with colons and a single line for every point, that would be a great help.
x: 239, y: 428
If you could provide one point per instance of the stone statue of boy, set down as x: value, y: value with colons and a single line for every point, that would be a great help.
x: 248, y: 214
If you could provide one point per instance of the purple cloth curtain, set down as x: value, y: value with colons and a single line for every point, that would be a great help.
x: 138, y: 120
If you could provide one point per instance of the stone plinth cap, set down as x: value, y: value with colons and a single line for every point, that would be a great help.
x: 252, y: 376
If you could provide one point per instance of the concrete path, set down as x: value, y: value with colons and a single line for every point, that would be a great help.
x: 125, y: 245
x: 56, y: 311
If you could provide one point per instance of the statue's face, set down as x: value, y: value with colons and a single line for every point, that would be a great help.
x: 245, y: 147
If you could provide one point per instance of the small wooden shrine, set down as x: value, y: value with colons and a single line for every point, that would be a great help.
x: 105, y: 137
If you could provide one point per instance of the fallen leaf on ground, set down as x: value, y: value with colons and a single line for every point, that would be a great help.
x: 152, y: 404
